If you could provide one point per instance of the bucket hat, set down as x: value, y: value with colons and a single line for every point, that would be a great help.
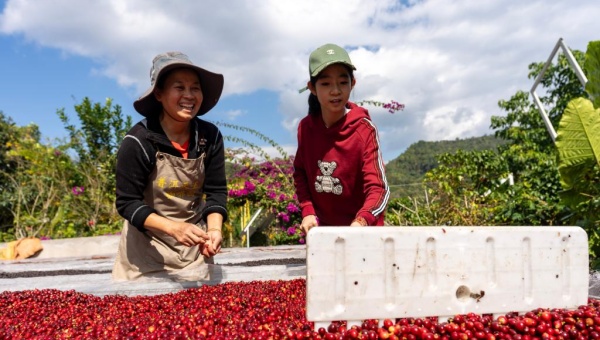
x: 324, y: 56
x: 211, y: 83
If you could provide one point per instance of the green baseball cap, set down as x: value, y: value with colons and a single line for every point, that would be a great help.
x: 324, y: 56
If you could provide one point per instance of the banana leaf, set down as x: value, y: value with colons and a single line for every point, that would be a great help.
x: 578, y: 141
x: 591, y: 69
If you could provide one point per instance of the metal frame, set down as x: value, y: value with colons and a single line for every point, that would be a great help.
x: 249, y: 225
x: 576, y: 69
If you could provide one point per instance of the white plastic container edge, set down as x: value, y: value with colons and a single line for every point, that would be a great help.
x: 355, y: 274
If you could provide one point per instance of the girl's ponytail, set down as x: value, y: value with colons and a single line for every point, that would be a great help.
x: 314, y: 107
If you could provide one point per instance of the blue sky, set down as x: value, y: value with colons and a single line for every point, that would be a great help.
x: 449, y: 62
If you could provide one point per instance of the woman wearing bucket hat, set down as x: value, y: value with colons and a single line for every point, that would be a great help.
x: 339, y: 172
x: 171, y: 186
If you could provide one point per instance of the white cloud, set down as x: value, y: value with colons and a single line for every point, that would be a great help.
x: 232, y: 115
x: 448, y: 61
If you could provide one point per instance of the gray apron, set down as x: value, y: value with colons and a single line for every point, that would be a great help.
x: 175, y: 191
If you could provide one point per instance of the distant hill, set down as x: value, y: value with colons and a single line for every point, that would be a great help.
x: 405, y: 172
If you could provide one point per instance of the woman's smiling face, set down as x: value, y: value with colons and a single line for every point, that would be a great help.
x: 181, y: 95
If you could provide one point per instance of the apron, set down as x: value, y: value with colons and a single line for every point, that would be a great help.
x: 175, y: 191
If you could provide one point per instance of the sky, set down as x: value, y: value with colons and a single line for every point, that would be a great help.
x: 448, y: 62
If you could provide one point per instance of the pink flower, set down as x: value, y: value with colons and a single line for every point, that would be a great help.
x: 292, y: 208
x: 284, y: 217
x: 249, y: 186
x: 77, y: 190
x: 393, y: 106
x: 234, y: 193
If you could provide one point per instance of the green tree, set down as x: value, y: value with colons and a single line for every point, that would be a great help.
x: 50, y: 193
x: 8, y: 131
x: 102, y: 127
x: 463, y: 188
x: 35, y: 190
x: 96, y: 141
x: 531, y: 154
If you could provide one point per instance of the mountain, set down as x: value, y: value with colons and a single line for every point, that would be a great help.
x: 405, y: 172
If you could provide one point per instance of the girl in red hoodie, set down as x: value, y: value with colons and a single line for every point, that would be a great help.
x: 339, y: 173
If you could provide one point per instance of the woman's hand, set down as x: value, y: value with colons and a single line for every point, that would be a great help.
x: 189, y: 234
x: 185, y: 233
x: 309, y: 221
x: 214, y: 225
x: 213, y: 246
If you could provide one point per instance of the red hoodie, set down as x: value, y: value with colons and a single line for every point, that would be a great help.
x: 339, y: 173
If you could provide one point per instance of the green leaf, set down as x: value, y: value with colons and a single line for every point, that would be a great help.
x: 571, y: 176
x: 572, y: 197
x: 578, y: 139
x: 591, y: 68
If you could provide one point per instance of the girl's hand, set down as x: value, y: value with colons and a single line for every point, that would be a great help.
x: 308, y: 222
x: 359, y: 222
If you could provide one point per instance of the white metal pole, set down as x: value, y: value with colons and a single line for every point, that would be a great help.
x: 247, y: 229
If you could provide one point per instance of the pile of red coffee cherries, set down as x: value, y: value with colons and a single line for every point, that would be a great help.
x: 256, y: 310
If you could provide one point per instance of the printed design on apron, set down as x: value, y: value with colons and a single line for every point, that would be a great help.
x: 173, y: 187
x: 175, y: 191
x: 326, y: 182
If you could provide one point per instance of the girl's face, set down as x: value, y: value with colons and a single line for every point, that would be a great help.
x: 181, y: 95
x: 333, y: 88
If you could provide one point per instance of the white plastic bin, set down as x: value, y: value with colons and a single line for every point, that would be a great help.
x: 355, y: 274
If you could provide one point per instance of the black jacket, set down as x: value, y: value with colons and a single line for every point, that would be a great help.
x: 136, y: 159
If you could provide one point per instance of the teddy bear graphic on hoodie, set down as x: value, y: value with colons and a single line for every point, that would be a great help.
x: 328, y: 183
